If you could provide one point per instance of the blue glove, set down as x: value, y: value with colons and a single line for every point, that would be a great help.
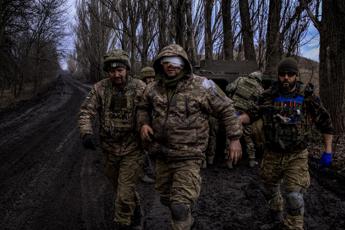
x: 326, y: 160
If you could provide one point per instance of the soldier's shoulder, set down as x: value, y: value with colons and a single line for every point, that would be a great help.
x: 101, y: 84
x: 138, y: 82
x: 202, y: 82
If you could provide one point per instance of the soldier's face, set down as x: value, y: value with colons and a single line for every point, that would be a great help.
x: 171, y: 70
x: 118, y: 75
x: 287, y: 79
x: 149, y: 80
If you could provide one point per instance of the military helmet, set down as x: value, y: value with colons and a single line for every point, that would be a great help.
x: 147, y: 72
x: 257, y: 75
x: 117, y: 55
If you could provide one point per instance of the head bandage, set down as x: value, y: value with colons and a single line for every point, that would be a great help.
x: 175, y: 61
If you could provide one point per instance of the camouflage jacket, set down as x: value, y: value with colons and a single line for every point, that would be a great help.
x: 244, y: 91
x: 288, y: 118
x: 116, y: 110
x: 180, y: 123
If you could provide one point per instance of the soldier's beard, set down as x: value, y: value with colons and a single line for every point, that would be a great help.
x: 119, y: 81
x: 286, y: 86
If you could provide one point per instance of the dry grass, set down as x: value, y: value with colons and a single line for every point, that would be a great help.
x: 8, y: 99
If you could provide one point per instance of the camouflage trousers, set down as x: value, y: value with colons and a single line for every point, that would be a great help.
x: 124, y: 172
x: 179, y: 183
x: 288, y: 173
x: 248, y: 139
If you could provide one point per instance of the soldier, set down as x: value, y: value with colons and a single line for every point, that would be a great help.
x: 288, y: 114
x: 147, y: 74
x: 114, y: 100
x: 180, y: 103
x: 244, y: 91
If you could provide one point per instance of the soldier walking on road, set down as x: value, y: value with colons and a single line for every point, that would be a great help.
x: 115, y: 100
x: 244, y: 91
x: 288, y: 113
x: 174, y: 115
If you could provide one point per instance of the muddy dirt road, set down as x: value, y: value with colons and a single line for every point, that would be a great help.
x: 48, y: 181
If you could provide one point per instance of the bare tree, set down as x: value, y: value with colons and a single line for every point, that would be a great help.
x: 227, y: 30
x: 273, y: 45
x: 208, y: 29
x: 331, y: 26
x: 247, y: 32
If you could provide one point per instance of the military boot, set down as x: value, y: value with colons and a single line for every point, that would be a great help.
x: 276, y: 221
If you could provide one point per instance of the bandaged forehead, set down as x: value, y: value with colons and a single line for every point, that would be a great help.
x: 175, y: 61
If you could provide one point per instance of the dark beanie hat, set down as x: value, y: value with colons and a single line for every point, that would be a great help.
x: 288, y: 65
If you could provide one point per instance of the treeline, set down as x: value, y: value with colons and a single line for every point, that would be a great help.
x: 259, y: 30
x: 211, y: 29
x: 30, y: 32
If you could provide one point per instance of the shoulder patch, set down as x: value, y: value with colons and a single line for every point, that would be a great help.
x: 208, y: 84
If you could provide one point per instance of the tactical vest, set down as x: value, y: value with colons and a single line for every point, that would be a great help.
x: 119, y: 120
x: 246, y: 93
x: 286, y: 125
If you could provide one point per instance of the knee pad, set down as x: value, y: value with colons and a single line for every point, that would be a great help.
x: 179, y: 211
x: 294, y: 203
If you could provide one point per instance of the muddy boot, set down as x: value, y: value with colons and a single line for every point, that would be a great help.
x: 137, y: 218
x: 252, y: 163
x: 147, y: 179
x: 276, y: 221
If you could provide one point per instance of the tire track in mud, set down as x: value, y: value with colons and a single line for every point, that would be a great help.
x: 32, y: 173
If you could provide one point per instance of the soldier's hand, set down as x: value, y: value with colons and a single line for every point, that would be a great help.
x: 235, y: 151
x: 244, y: 118
x: 146, y: 133
x: 88, y: 142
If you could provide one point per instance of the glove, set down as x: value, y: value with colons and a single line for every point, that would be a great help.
x: 88, y: 142
x: 326, y: 160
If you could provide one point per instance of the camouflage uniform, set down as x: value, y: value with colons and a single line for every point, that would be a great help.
x: 244, y: 91
x: 180, y: 123
x: 212, y: 140
x: 287, y: 121
x: 118, y: 138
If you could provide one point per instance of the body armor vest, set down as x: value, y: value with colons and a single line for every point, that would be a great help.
x: 286, y: 124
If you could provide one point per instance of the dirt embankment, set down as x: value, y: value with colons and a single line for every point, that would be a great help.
x: 48, y: 181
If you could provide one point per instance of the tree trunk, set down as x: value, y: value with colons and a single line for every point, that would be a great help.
x: 273, y: 51
x: 332, y: 61
x: 208, y: 30
x: 145, y: 35
x: 191, y: 48
x: 162, y: 9
x: 247, y: 32
x: 227, y: 30
x: 125, y: 37
x: 180, y: 22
